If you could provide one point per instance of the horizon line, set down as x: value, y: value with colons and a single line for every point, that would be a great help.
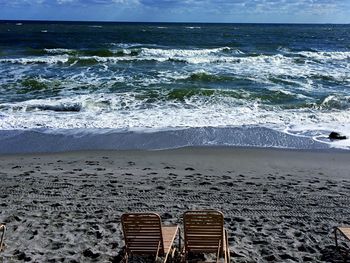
x: 165, y: 22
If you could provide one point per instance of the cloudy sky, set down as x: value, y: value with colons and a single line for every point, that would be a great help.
x: 256, y: 11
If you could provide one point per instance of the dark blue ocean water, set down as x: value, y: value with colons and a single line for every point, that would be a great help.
x: 290, y: 83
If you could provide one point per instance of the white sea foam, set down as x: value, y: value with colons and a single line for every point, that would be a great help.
x: 283, y: 49
x: 31, y: 60
x: 319, y: 132
x: 130, y: 111
x: 125, y: 111
x: 131, y: 45
x: 265, y: 69
x: 219, y: 60
x: 336, y: 102
x: 58, y: 50
x: 235, y: 61
x: 323, y: 55
x: 191, y: 56
x: 170, y: 53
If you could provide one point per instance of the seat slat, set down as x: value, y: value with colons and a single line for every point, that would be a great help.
x: 138, y: 233
x: 204, y: 233
x: 202, y: 239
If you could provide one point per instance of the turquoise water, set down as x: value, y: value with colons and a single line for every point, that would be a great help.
x: 88, y: 78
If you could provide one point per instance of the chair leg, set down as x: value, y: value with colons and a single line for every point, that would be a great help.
x: 218, y: 252
x: 184, y: 257
x: 157, y: 254
x: 179, y: 239
x: 336, y: 237
x: 227, y: 252
x: 3, y: 228
x: 165, y: 258
x: 126, y: 257
x: 173, y: 252
x: 346, y: 254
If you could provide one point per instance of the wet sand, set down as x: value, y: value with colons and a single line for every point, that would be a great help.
x: 279, y: 205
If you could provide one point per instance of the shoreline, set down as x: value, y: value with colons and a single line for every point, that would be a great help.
x: 279, y: 205
x: 204, y: 148
x: 67, y: 140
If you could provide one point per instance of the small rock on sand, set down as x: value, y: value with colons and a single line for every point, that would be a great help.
x: 336, y: 136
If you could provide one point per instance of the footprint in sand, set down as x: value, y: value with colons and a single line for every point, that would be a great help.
x: 92, y: 163
x: 205, y: 183
x: 160, y: 187
x: 22, y: 256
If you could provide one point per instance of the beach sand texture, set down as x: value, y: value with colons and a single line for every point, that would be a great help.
x: 279, y: 206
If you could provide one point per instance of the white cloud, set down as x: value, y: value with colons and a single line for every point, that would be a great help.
x: 191, y: 10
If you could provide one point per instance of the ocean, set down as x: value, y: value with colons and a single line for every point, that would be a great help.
x: 84, y: 86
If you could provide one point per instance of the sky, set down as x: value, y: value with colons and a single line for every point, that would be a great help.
x: 221, y: 11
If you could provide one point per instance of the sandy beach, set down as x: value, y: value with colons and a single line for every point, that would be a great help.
x: 279, y: 205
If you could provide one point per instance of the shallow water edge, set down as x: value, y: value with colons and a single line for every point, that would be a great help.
x: 46, y: 141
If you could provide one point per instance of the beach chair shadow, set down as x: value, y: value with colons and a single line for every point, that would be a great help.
x: 3, y: 229
x: 204, y: 233
x: 144, y: 235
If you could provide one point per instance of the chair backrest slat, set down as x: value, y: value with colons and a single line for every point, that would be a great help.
x: 142, y: 233
x: 203, y: 231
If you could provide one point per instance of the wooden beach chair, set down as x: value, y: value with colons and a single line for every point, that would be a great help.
x: 344, y: 232
x: 204, y: 233
x: 144, y: 235
x: 3, y: 229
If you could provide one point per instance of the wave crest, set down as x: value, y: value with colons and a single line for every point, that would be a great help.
x: 336, y: 102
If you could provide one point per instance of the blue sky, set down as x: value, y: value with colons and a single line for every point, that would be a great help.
x: 256, y: 11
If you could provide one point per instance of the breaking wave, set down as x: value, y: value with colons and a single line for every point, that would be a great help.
x: 224, y: 55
